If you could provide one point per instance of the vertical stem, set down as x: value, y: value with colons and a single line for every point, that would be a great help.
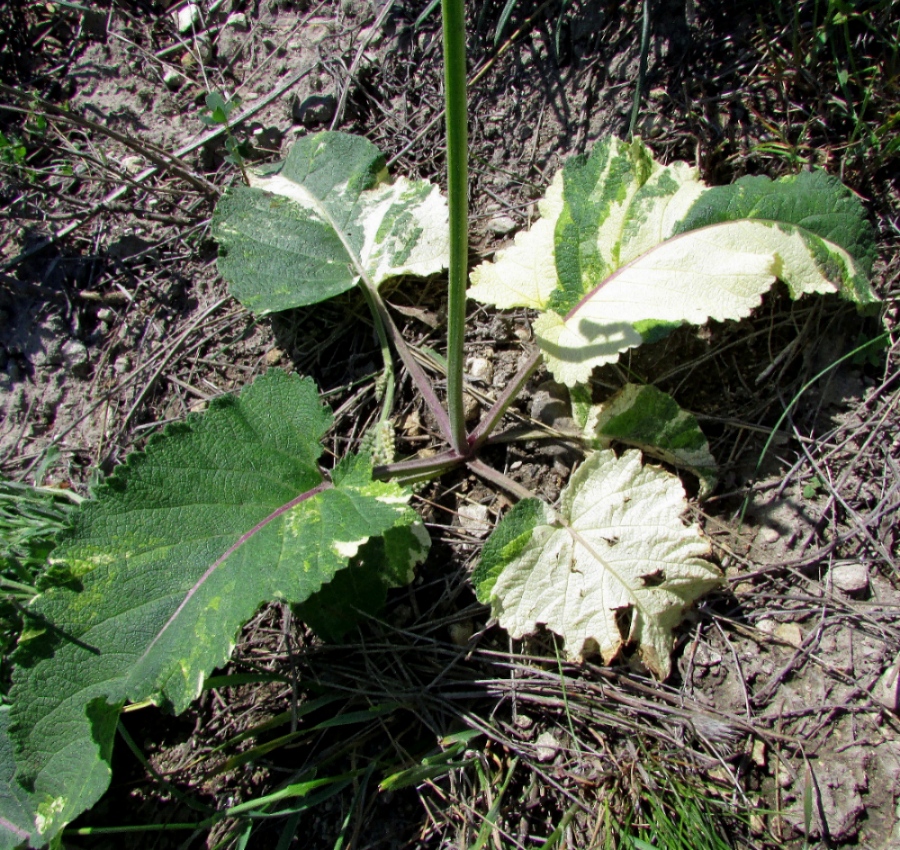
x: 642, y: 69
x: 456, y: 117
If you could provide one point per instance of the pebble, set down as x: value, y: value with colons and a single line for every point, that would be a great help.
x: 75, y: 358
x: 461, y: 633
x: 768, y: 535
x: 471, y: 407
x: 316, y: 109
x: 475, y: 519
x: 132, y: 164
x: 173, y: 80
x: 481, y: 369
x: 204, y: 46
x: 767, y: 625
x: 238, y: 21
x: 188, y: 18
x: 501, y: 225
x: 789, y: 633
x: 887, y: 689
x: 547, y: 746
x: 852, y: 579
x: 230, y: 46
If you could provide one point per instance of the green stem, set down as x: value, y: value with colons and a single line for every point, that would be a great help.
x: 384, y: 321
x: 390, y: 381
x: 642, y: 68
x: 456, y: 116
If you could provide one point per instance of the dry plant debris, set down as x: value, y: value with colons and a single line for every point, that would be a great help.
x: 779, y: 726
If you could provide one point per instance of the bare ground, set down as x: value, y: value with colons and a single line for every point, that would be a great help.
x: 783, y: 711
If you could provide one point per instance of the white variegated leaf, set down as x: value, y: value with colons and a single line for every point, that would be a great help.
x: 639, y: 248
x: 616, y: 565
x: 311, y: 227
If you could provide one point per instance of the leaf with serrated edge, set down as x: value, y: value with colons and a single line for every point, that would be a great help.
x: 307, y: 229
x: 383, y: 563
x: 646, y: 418
x: 181, y: 547
x: 639, y: 248
x: 615, y: 566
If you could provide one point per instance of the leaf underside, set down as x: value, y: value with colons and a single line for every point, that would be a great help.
x: 616, y: 566
x: 306, y: 229
x: 627, y: 249
x: 183, y: 544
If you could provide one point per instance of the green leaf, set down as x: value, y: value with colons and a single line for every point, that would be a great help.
x: 615, y: 566
x: 383, y: 563
x: 628, y: 249
x: 16, y: 809
x: 650, y: 420
x: 183, y: 544
x: 307, y: 229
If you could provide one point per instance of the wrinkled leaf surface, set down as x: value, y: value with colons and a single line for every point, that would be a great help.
x: 616, y: 565
x: 307, y: 229
x: 648, y: 419
x: 181, y: 547
x: 628, y: 249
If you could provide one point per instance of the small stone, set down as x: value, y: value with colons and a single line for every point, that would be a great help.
x: 75, y: 358
x: 481, y: 369
x: 706, y: 656
x: 547, y: 746
x: 188, y: 18
x: 173, y: 80
x: 767, y: 625
x: 523, y: 721
x: 501, y: 225
x: 230, y: 46
x: 316, y: 109
x: 887, y: 689
x: 767, y: 536
x: 789, y: 633
x: 362, y: 10
x: 238, y: 21
x: 461, y: 633
x: 758, y: 753
x: 273, y: 356
x: 852, y: 579
x: 132, y: 164
x: 371, y: 36
x: 475, y: 519
x: 122, y: 364
x: 550, y: 405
